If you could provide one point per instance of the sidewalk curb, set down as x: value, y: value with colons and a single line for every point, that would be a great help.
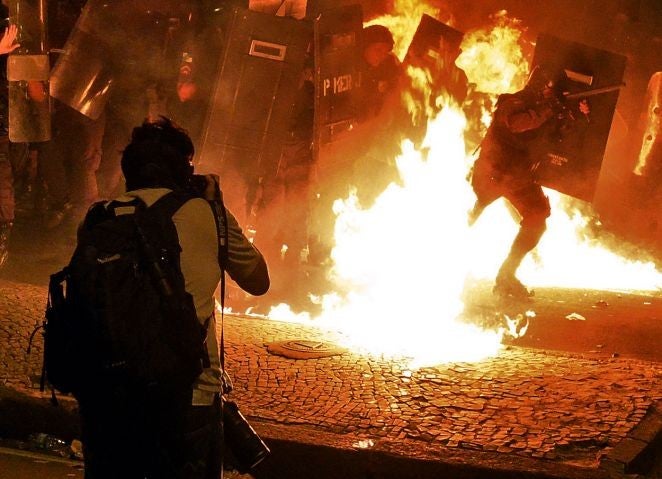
x: 304, y: 452
x: 637, y: 453
x: 300, y: 452
x: 23, y: 414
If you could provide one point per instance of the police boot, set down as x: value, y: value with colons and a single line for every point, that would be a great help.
x: 507, y: 285
x: 5, y: 230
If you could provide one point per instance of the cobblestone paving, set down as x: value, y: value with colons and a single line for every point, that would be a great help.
x: 526, y: 402
x: 21, y: 310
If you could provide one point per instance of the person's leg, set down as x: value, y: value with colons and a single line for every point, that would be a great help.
x: 112, y: 428
x: 6, y: 199
x: 116, y: 136
x: 53, y: 171
x: 84, y: 151
x: 486, y: 187
x: 203, y: 442
x: 296, y: 233
x: 189, y: 444
x: 533, y: 206
x: 271, y: 222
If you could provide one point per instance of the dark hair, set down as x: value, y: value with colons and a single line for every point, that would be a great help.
x: 377, y: 34
x: 158, y: 156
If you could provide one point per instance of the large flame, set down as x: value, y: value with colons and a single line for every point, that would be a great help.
x: 566, y: 256
x: 493, y: 59
x: 403, y: 21
x: 399, y: 268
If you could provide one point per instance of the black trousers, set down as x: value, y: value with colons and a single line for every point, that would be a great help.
x: 131, y: 433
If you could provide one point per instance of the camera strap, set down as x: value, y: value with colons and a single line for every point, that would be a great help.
x: 221, y: 219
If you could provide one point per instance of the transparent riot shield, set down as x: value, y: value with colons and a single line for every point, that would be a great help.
x: 27, y: 73
x: 81, y: 77
x: 649, y: 156
x: 570, y: 155
x: 337, y: 72
x: 111, y: 40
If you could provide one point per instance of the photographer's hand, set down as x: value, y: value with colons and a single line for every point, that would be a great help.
x: 213, y: 190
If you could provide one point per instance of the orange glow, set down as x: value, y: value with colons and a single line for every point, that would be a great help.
x: 493, y: 59
x: 400, y: 267
x: 565, y: 256
x: 403, y: 21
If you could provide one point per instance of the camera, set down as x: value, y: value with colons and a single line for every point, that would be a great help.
x: 206, y: 187
x: 198, y: 185
x: 246, y: 446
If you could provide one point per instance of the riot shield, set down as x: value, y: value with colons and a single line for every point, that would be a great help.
x: 649, y: 155
x: 435, y: 47
x: 27, y: 74
x: 123, y: 38
x: 81, y: 77
x: 570, y: 156
x: 257, y: 78
x: 337, y: 72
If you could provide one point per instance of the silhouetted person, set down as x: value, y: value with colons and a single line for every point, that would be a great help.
x: 154, y: 431
x: 506, y: 168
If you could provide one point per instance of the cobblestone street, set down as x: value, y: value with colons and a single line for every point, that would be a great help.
x: 533, y: 404
x: 524, y: 402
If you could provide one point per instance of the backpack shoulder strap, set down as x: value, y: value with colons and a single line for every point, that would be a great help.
x: 96, y: 214
x: 105, y: 210
x: 168, y: 204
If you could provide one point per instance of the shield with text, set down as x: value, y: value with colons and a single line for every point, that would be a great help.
x: 337, y: 67
x: 587, y: 81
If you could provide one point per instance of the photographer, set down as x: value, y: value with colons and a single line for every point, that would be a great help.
x: 147, y: 432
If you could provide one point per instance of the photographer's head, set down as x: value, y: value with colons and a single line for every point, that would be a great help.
x: 158, y: 156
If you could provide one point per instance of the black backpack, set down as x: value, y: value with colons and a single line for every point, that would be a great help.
x: 119, y: 311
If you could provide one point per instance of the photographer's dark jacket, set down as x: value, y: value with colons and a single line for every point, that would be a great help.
x: 198, y: 239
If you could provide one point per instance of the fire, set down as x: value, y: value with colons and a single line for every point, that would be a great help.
x: 400, y: 267
x: 420, y: 80
x: 403, y: 22
x: 493, y: 59
x: 565, y: 257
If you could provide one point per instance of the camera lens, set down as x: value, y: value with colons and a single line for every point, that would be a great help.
x: 245, y: 444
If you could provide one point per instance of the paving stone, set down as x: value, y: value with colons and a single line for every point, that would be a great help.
x: 522, y: 401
